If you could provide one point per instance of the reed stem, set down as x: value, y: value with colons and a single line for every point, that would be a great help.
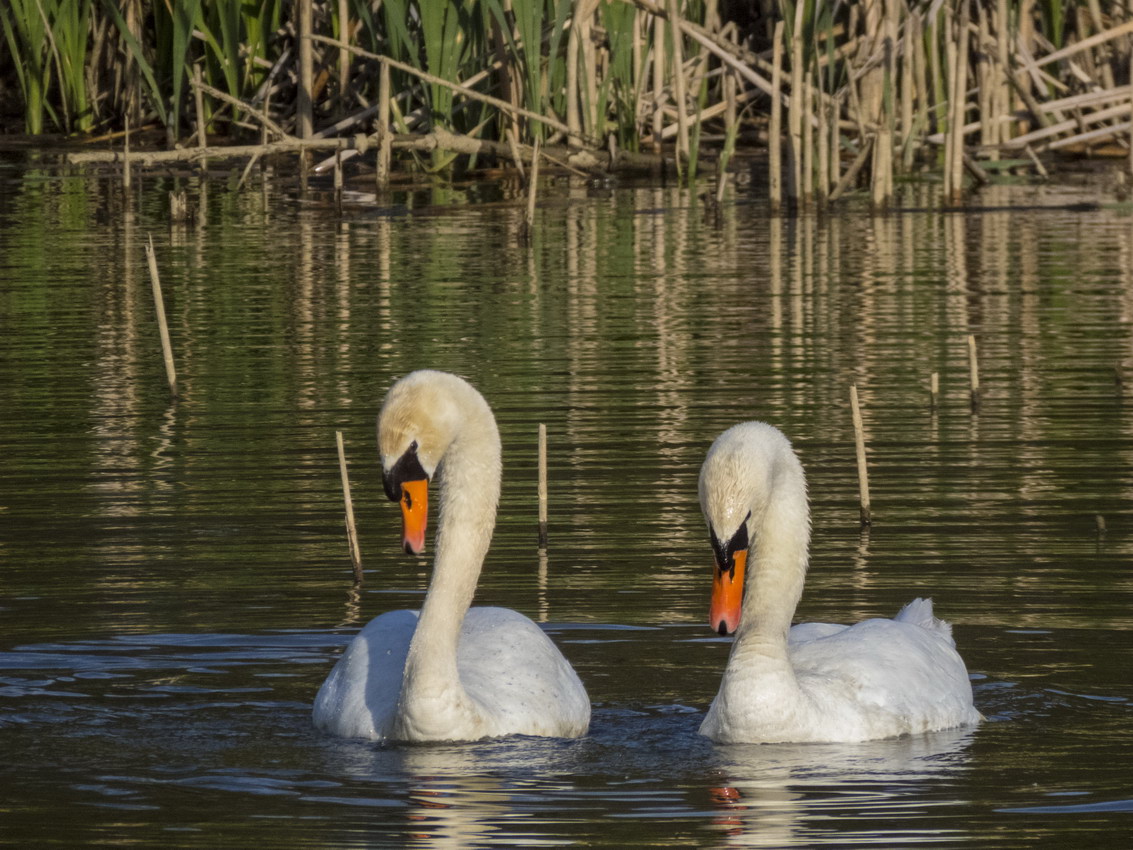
x: 351, y: 531
x: 974, y: 372
x: 859, y: 445
x: 162, y: 326
x: 542, y: 486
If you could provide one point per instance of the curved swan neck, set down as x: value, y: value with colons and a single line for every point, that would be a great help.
x: 778, y: 558
x: 469, y: 493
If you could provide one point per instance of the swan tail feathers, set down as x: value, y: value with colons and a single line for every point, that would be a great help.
x: 919, y: 613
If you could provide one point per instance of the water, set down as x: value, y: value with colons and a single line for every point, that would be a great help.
x: 175, y: 584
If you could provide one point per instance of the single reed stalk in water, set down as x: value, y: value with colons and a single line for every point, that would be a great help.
x: 351, y: 531
x: 162, y: 327
x: 775, y: 130
x: 542, y: 486
x: 934, y: 390
x: 859, y: 444
x: 974, y: 372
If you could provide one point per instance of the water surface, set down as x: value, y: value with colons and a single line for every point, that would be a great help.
x: 174, y: 579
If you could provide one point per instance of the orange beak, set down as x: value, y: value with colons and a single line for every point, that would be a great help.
x: 727, y: 595
x: 414, y: 515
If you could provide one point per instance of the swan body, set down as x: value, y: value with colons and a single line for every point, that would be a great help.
x: 816, y: 681
x: 448, y: 672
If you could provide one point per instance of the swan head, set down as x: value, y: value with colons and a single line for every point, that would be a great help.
x: 741, y: 471
x: 417, y: 423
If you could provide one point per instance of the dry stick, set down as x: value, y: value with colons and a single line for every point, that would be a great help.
x: 532, y: 189
x: 807, y: 142
x: 934, y: 390
x: 582, y: 159
x: 199, y: 101
x: 1131, y: 112
x: 775, y: 132
x: 163, y: 328
x: 859, y: 442
x: 679, y: 82
x: 351, y: 531
x: 823, y: 144
x: 542, y: 486
x: 974, y: 372
x: 730, y: 130
x: 126, y: 156
x: 658, y: 81
x: 795, y: 113
x: 384, y: 135
x: 463, y: 90
x: 304, y: 103
x: 343, y: 55
x: 852, y: 172
x: 260, y: 115
x: 959, y: 102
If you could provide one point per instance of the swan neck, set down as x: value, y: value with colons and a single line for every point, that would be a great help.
x: 469, y: 493
x: 778, y: 564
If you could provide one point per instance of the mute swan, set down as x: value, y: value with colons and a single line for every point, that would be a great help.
x: 448, y: 673
x: 816, y: 681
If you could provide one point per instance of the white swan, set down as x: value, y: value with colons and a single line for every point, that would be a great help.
x: 448, y: 673
x: 816, y: 681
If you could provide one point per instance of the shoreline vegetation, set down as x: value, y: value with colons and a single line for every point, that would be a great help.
x: 840, y: 96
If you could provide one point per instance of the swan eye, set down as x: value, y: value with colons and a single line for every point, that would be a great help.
x: 726, y: 552
x: 407, y: 468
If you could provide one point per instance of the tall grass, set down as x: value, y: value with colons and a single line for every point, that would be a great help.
x: 602, y: 69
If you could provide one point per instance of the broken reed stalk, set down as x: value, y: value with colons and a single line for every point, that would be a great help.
x: 859, y: 444
x: 351, y: 531
x: 775, y: 129
x: 934, y: 390
x: 542, y: 486
x: 162, y: 327
x: 974, y: 372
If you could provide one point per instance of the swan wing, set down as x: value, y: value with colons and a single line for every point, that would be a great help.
x: 519, y: 677
x: 882, y: 678
x: 359, y: 697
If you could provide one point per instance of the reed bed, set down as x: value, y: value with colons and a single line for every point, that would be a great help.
x: 845, y: 96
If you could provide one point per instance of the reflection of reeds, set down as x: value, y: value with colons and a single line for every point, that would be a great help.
x: 888, y: 85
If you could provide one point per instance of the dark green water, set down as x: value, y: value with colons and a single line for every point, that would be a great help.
x: 174, y: 577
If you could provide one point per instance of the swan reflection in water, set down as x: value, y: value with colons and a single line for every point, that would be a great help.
x: 655, y: 767
x: 805, y: 795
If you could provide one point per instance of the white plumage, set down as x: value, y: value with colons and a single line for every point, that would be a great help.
x: 816, y: 681
x: 450, y: 672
